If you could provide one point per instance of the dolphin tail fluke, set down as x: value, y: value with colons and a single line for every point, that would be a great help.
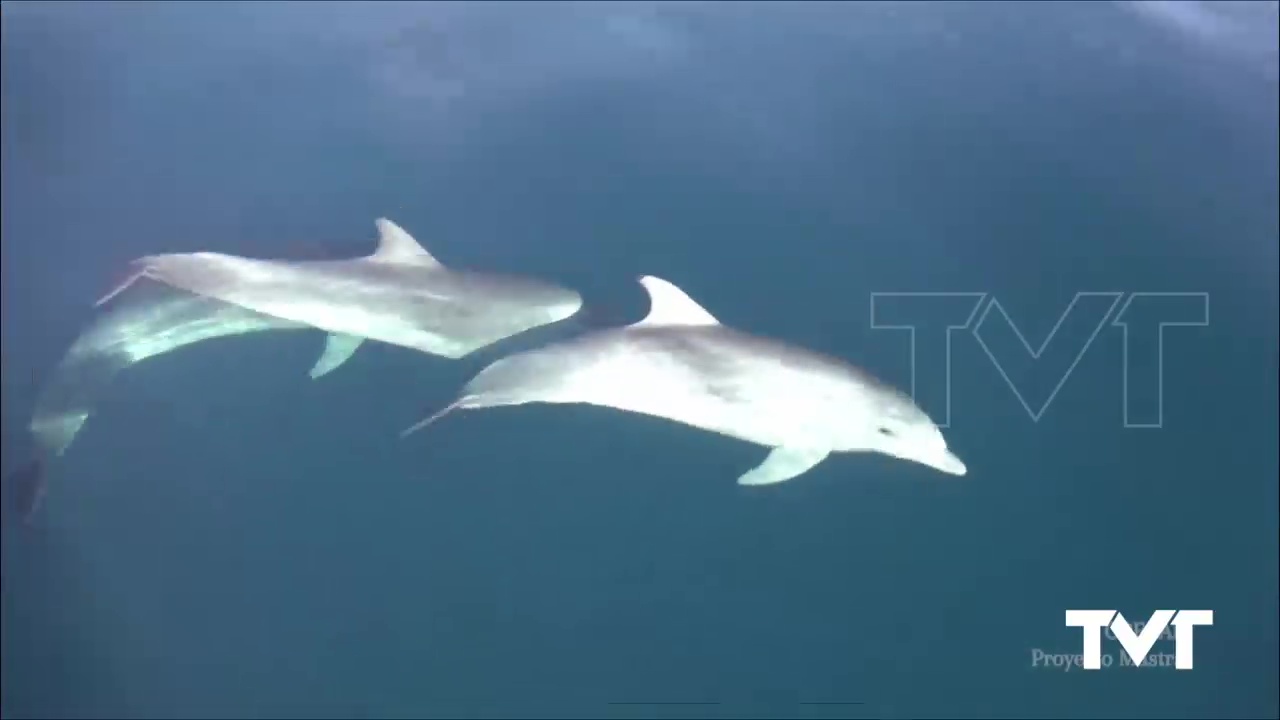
x: 140, y: 271
x: 27, y: 485
x: 423, y: 423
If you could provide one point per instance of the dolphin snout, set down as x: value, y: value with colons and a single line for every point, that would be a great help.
x: 948, y: 463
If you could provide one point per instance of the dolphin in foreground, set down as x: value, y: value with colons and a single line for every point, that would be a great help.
x: 681, y: 364
x: 150, y: 321
x: 399, y: 295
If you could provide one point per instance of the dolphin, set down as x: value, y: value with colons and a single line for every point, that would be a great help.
x: 681, y: 364
x: 151, y: 320
x: 399, y: 295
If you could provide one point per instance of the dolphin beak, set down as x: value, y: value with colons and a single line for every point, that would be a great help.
x: 940, y: 459
x: 945, y: 461
x: 948, y: 463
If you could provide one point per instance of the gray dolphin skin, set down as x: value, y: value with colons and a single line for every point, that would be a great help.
x: 399, y: 295
x: 150, y: 320
x: 681, y: 364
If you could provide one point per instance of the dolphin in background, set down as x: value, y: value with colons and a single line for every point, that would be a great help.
x: 399, y: 295
x: 681, y: 364
x: 150, y: 320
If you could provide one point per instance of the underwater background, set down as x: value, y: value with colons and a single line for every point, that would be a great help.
x: 228, y: 538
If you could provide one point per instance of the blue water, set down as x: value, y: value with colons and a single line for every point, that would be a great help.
x: 228, y: 538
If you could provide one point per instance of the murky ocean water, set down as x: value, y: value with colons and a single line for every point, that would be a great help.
x: 228, y: 538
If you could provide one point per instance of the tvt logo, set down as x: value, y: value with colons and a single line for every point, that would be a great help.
x: 932, y: 321
x: 1137, y: 645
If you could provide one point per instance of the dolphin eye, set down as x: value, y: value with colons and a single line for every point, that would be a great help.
x: 887, y: 432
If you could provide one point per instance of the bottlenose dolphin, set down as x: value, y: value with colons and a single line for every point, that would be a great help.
x: 399, y: 295
x: 151, y: 320
x: 681, y: 364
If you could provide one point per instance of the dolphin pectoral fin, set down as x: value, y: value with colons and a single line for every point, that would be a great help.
x: 337, y: 349
x: 783, y: 464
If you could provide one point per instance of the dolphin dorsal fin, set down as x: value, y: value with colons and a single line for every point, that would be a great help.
x: 397, y: 246
x: 669, y: 305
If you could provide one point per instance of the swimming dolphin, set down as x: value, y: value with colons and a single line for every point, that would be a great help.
x: 399, y: 295
x: 681, y: 364
x: 151, y: 320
